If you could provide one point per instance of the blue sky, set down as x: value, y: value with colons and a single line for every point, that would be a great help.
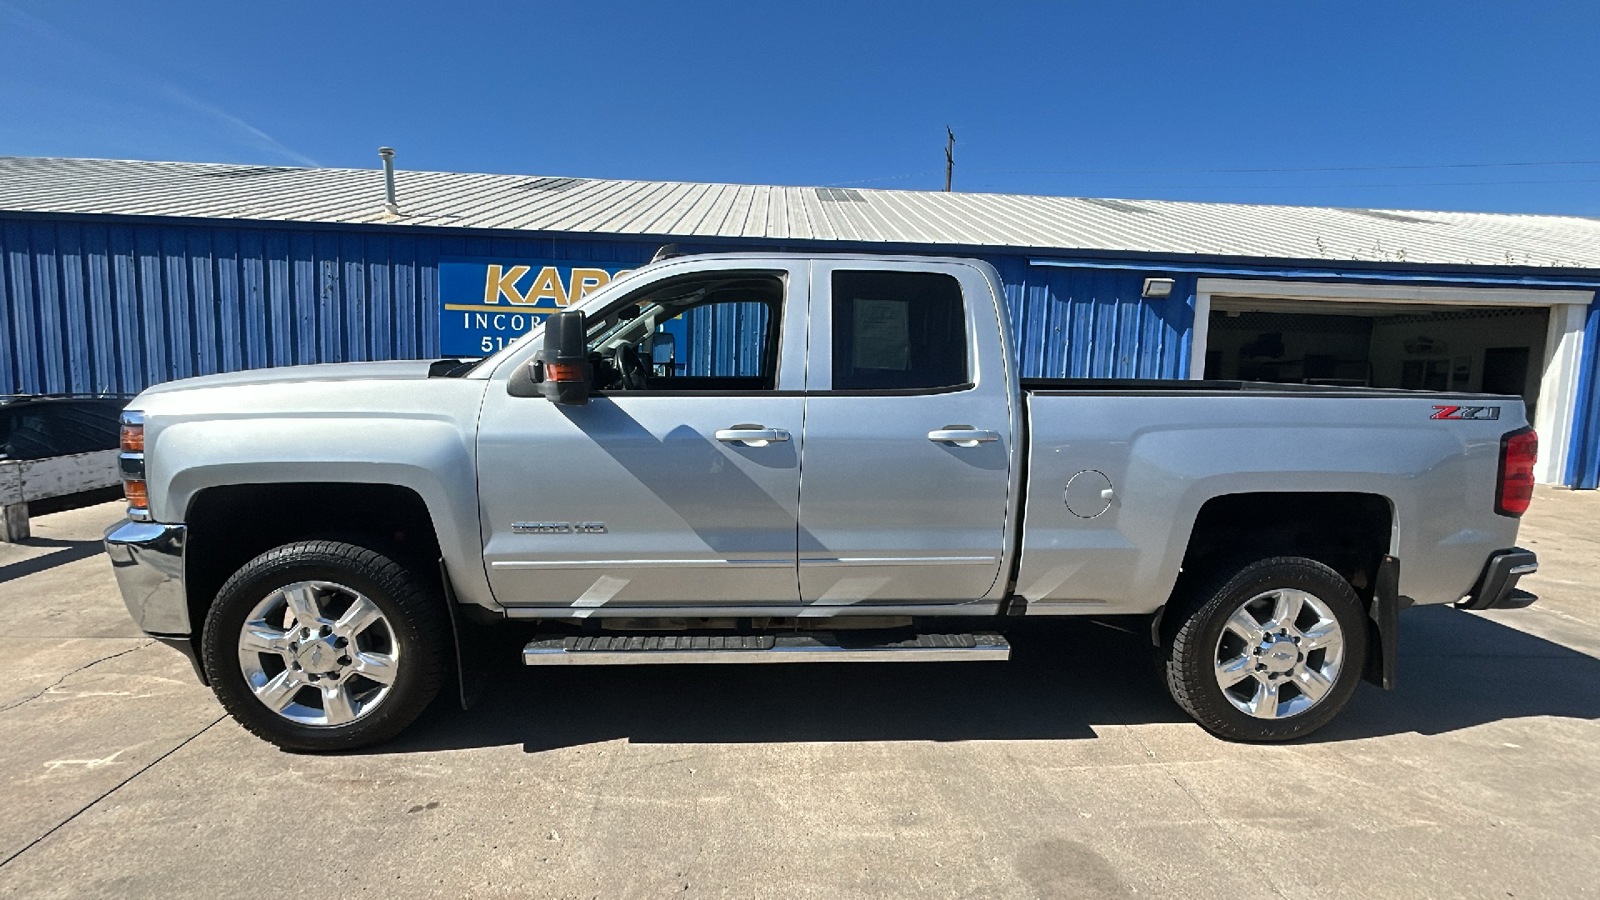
x: 1467, y: 105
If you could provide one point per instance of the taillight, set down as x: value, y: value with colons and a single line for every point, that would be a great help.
x: 131, y: 462
x: 1518, y: 452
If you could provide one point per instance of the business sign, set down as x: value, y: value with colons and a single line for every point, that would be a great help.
x: 486, y: 304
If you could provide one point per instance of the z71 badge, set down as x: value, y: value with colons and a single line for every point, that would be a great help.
x: 1465, y: 412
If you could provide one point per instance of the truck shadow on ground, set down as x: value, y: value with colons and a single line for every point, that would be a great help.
x: 1066, y: 680
x: 67, y: 552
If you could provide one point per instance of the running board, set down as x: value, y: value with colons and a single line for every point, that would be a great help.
x: 626, y: 650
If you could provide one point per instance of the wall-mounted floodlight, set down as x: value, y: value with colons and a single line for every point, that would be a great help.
x: 1156, y: 288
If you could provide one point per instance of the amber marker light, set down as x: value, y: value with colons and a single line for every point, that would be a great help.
x: 137, y: 497
x: 131, y: 464
x: 564, y: 371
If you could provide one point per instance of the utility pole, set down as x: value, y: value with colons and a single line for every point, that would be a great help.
x: 949, y: 157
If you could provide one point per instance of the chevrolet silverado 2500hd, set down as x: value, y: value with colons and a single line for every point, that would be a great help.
x: 777, y: 458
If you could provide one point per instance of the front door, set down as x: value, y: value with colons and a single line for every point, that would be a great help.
x: 907, y: 438
x: 678, y: 484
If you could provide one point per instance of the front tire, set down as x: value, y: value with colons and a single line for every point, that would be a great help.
x: 1269, y: 652
x: 325, y: 645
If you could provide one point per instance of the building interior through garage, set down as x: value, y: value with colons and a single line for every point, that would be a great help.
x: 1497, y: 350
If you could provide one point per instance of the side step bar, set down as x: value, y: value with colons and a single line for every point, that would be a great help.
x: 625, y: 650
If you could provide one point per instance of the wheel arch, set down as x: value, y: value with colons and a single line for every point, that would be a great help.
x: 1348, y: 531
x: 1355, y: 533
x: 228, y: 525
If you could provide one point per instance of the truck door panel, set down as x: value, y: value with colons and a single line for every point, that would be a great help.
x: 907, y: 438
x: 677, y: 486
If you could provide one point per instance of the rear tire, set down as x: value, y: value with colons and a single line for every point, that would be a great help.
x: 325, y: 645
x: 1268, y: 652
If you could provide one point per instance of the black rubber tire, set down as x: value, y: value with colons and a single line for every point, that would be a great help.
x: 1203, y: 611
x: 416, y: 615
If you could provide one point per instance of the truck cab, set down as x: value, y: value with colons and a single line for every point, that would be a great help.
x: 873, y: 376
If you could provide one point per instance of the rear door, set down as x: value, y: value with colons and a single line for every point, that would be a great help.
x: 907, y: 449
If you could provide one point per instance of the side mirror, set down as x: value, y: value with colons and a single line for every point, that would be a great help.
x: 561, y: 368
x: 663, y: 348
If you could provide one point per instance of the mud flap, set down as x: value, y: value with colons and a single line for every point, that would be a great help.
x: 1383, y: 638
x: 471, y: 674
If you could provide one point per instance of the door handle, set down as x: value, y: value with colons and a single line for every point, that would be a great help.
x: 962, y: 437
x: 752, y: 435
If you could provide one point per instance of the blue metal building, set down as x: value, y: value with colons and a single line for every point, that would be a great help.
x: 117, y: 275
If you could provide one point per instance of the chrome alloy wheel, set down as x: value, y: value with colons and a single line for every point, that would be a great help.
x: 318, y: 653
x: 1279, y: 654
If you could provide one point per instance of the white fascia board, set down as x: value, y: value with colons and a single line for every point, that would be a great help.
x: 1391, y: 293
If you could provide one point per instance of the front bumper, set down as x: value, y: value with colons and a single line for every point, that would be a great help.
x: 1496, y: 587
x: 148, y: 560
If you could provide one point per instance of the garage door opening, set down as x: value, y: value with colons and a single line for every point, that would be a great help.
x: 1502, y: 340
x: 1498, y: 350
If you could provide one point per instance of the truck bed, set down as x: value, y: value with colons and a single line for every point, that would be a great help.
x: 1118, y: 470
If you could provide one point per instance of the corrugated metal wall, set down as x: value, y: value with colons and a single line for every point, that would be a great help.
x: 113, y: 308
x: 1093, y: 323
x: 725, y: 339
x: 1583, y: 460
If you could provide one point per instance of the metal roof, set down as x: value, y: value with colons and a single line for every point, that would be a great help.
x: 686, y: 210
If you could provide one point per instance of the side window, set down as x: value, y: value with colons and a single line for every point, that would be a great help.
x: 727, y: 339
x: 701, y: 333
x: 898, y: 331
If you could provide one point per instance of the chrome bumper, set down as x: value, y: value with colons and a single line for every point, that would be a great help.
x: 148, y: 560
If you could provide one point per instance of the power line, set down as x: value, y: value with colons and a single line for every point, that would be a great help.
x: 1500, y: 165
x: 1291, y: 187
x: 881, y: 178
x: 1282, y: 170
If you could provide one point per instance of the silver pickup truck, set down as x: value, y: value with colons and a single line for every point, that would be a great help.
x: 759, y: 458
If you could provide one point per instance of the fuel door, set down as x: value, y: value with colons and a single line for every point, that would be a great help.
x: 1089, y: 493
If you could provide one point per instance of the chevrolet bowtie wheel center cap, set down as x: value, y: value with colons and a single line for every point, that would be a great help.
x: 1279, y: 656
x: 319, y: 655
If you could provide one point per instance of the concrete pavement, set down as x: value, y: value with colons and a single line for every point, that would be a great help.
x: 1064, y: 773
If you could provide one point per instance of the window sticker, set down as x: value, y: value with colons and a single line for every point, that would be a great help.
x: 882, y: 335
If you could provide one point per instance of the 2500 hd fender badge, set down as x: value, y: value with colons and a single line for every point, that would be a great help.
x: 1465, y: 412
x: 558, y: 528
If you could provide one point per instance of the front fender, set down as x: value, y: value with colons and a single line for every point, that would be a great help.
x: 431, y: 454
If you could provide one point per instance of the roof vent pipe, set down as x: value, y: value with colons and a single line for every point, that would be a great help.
x: 389, y: 202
